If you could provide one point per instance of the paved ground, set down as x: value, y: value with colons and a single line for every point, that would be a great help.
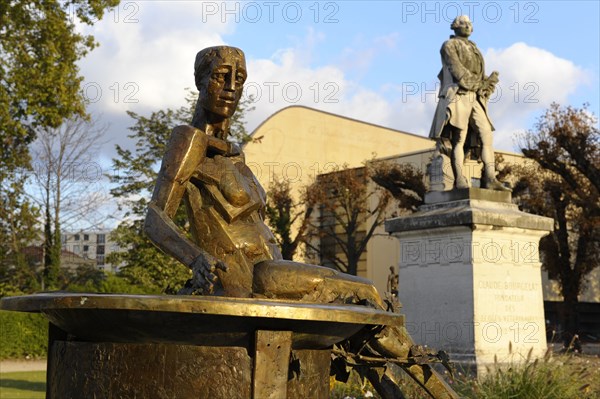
x: 8, y: 366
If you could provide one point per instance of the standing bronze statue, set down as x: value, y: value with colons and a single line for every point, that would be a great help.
x: 461, y: 118
x: 231, y: 251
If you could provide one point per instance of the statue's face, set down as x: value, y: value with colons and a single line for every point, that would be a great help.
x: 222, y: 83
x: 464, y: 29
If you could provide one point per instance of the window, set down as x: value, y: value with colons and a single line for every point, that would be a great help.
x: 100, y: 238
x: 100, y: 260
x: 76, y: 237
x: 86, y: 237
x: 86, y: 248
x: 76, y: 249
x: 100, y: 250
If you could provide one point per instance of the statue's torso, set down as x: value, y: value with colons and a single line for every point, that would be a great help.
x: 225, y: 204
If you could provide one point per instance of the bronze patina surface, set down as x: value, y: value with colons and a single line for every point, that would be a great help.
x: 461, y: 120
x: 208, y: 321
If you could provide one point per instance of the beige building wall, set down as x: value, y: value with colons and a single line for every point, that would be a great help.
x: 299, y: 143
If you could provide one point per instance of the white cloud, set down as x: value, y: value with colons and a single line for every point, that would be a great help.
x: 148, y: 63
x: 530, y: 80
x: 287, y: 79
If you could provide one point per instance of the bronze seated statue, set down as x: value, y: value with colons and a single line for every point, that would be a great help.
x: 232, y: 252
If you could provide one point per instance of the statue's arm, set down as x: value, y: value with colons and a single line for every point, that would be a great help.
x: 462, y: 76
x: 185, y: 151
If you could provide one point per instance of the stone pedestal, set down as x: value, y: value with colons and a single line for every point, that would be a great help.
x: 142, y: 346
x: 470, y: 279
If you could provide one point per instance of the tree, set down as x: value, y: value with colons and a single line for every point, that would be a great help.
x: 564, y: 184
x: 351, y: 209
x: 403, y: 181
x: 18, y: 228
x: 38, y: 69
x: 39, y: 87
x: 144, y: 264
x: 349, y: 213
x: 283, y: 213
x: 68, y: 191
x: 136, y: 172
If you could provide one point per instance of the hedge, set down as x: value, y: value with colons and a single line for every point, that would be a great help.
x: 23, y: 335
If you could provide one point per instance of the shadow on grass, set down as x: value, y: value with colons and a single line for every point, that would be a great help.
x: 24, y: 385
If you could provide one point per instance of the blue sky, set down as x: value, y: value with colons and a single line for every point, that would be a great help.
x: 375, y: 61
x: 370, y: 60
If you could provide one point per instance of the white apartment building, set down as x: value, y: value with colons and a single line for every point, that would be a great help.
x: 91, y: 244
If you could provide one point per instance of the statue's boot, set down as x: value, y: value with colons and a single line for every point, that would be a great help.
x: 394, y: 343
x: 460, y: 181
x: 489, y: 180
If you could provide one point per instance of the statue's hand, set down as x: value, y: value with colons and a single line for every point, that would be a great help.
x: 204, y: 278
x: 494, y: 77
x: 488, y: 86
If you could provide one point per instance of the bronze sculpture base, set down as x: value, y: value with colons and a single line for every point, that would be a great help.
x: 189, y: 347
x: 164, y: 371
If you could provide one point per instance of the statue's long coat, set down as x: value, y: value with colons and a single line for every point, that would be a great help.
x: 463, y: 71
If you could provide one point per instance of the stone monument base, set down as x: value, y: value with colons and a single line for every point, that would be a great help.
x: 470, y: 278
x: 142, y: 346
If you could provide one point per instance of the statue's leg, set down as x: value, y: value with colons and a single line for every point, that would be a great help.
x: 309, y: 283
x: 458, y: 157
x: 480, y: 121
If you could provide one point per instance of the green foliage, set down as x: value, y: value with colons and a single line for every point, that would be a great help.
x: 112, y: 284
x: 355, y: 387
x: 143, y: 264
x: 23, y: 334
x: 38, y: 68
x: 548, y: 378
x: 18, y: 220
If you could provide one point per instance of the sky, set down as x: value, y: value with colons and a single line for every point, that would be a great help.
x: 375, y: 61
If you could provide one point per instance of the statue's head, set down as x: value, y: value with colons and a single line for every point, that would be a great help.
x: 220, y: 73
x: 462, y: 26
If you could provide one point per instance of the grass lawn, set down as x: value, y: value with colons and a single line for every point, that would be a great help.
x: 23, y: 385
